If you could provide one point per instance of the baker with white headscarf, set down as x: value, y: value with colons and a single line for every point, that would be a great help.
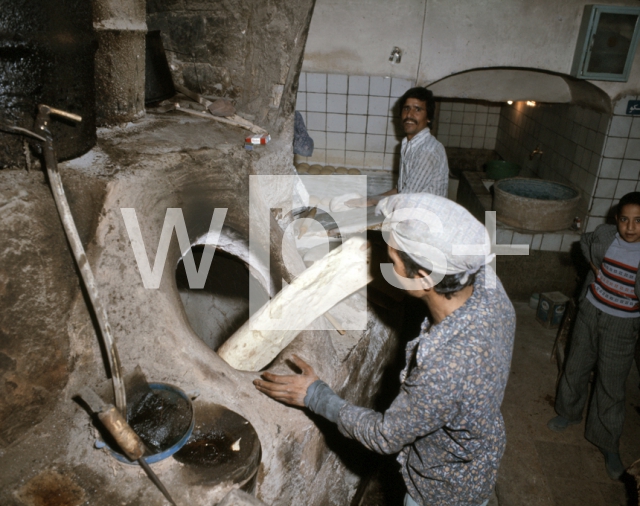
x: 436, y: 234
x: 445, y: 424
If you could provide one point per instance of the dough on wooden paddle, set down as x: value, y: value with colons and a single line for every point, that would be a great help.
x: 338, y: 203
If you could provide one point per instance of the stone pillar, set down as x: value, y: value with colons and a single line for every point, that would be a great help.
x: 120, y: 29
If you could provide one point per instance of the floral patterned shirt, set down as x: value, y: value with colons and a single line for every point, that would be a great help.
x: 446, y: 421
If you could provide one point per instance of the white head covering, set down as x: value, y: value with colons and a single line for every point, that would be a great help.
x: 436, y: 232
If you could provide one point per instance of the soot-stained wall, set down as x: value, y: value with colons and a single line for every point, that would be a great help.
x: 46, y: 56
x: 248, y: 51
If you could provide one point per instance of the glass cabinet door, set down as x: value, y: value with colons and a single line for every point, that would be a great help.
x: 607, y: 43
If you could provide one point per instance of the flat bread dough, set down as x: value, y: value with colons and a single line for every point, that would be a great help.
x: 338, y: 203
x: 354, y: 172
x: 303, y: 168
x: 317, y: 252
x: 325, y: 204
x: 314, y: 292
x: 341, y: 170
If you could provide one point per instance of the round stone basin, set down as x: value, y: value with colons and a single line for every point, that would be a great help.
x: 535, y: 205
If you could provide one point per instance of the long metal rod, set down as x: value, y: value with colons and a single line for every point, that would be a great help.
x: 64, y: 114
x: 154, y: 478
x: 128, y: 441
x: 81, y: 258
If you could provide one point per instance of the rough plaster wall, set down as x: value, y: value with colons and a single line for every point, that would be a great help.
x: 249, y: 51
x: 205, y: 41
x: 356, y: 37
x: 492, y: 33
x: 37, y: 284
x: 517, y: 84
x: 489, y: 33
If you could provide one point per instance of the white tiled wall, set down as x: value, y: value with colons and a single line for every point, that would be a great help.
x: 468, y: 124
x: 571, y: 138
x: 620, y: 165
x: 351, y: 119
x: 547, y: 241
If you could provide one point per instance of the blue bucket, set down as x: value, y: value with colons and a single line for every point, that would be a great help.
x: 157, y: 457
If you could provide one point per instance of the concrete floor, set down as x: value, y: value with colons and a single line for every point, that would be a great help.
x: 541, y: 467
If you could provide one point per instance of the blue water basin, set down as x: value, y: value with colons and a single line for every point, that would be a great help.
x: 537, y: 189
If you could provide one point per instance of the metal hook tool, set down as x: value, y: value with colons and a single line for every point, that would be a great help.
x: 43, y: 134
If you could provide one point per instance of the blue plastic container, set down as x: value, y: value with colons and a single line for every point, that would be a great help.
x: 157, y: 457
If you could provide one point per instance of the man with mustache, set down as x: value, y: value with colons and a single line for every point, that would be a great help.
x: 423, y: 160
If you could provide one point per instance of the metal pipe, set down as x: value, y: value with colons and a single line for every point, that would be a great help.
x: 536, y: 151
x: 64, y: 114
x: 51, y: 164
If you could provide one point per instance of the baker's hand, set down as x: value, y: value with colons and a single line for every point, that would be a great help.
x: 290, y: 388
x: 594, y: 268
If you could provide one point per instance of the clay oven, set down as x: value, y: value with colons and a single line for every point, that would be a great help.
x: 49, y: 347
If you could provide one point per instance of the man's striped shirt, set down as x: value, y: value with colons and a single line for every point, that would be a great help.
x: 423, y: 165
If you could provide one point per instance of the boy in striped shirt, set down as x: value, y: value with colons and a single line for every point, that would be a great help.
x: 605, y: 334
